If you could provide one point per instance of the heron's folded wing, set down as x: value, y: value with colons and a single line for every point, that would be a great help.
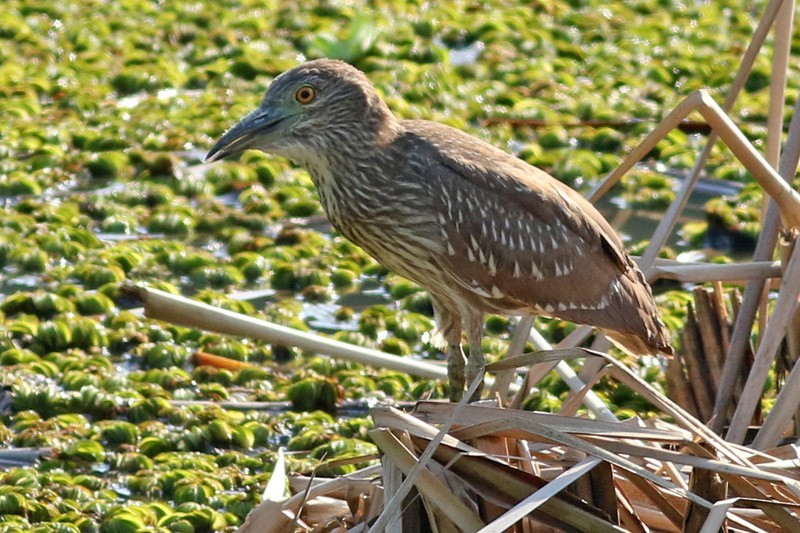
x: 510, y: 242
x: 517, y: 239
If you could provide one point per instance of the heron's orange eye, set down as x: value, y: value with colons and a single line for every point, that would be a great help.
x: 305, y: 94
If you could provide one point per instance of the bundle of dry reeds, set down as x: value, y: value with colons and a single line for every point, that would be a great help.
x: 693, y: 375
x: 509, y: 470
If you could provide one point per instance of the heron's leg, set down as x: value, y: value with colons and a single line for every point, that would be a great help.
x: 448, y: 331
x: 455, y: 371
x: 473, y: 323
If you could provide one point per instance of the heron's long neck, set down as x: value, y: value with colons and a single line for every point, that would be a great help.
x: 351, y: 173
x: 350, y: 190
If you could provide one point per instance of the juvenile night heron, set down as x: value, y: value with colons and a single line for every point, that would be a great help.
x: 481, y: 230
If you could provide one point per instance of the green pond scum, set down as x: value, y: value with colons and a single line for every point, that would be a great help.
x: 107, y: 109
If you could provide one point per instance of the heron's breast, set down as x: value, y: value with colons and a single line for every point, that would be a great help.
x: 388, y: 219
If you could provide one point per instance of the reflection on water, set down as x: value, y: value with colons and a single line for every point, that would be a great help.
x: 637, y: 225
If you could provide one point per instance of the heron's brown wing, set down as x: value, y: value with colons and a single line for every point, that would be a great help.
x: 518, y: 239
x: 516, y: 247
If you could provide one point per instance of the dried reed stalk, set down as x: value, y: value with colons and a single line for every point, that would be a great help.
x: 754, y: 290
x: 784, y: 311
x: 693, y: 375
x: 179, y: 310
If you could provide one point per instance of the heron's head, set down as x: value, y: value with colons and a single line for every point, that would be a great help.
x: 319, y: 106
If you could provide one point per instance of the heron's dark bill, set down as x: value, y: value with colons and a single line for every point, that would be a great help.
x: 240, y: 137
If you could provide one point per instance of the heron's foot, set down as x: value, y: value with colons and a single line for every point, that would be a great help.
x: 455, y: 373
x: 472, y: 372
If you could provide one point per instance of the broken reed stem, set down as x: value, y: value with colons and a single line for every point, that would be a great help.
x: 697, y: 371
x: 678, y: 384
x: 777, y: 86
x: 710, y: 337
x: 603, y: 494
x: 754, y: 289
x: 668, y: 221
x: 180, y: 310
x: 743, y: 325
x: 774, y: 185
x: 787, y: 199
x: 392, y: 479
x: 637, y: 154
x: 723, y: 318
x: 702, y: 273
x: 783, y: 312
x: 793, y: 331
x: 693, y: 374
x: 788, y: 399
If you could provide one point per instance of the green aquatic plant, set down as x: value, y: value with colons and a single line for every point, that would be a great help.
x: 358, y: 39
